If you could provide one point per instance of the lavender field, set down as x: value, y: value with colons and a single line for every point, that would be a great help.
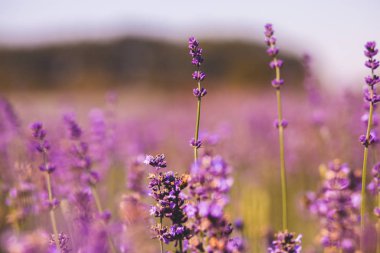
x: 274, y: 168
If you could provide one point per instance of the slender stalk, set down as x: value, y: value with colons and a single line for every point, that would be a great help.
x: 282, y: 162
x: 364, y: 170
x: 197, y: 123
x: 282, y: 153
x: 97, y: 199
x: 277, y: 82
x: 180, y: 246
x: 161, y: 244
x: 51, y: 212
x: 378, y: 227
x: 100, y: 210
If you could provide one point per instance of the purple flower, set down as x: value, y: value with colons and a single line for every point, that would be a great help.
x: 336, y: 206
x: 75, y: 132
x: 371, y: 49
x: 197, y: 144
x: 167, y: 191
x: 195, y: 52
x: 157, y: 161
x: 286, y: 242
x: 199, y: 93
x: 199, y: 75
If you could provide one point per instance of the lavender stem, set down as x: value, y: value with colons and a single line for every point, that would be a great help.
x: 100, y: 211
x: 276, y: 64
x: 51, y: 212
x: 161, y: 244
x: 282, y: 162
x: 378, y: 227
x: 196, y: 136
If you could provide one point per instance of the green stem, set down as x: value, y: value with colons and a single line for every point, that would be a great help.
x: 197, y: 123
x: 378, y: 227
x: 51, y: 212
x: 100, y: 211
x: 364, y: 171
x: 282, y: 162
x: 282, y: 149
x: 161, y: 244
x: 180, y: 246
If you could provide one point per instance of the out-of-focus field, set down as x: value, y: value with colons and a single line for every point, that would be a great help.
x: 238, y: 124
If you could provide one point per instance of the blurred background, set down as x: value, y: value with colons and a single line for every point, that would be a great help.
x: 107, y: 44
x: 130, y: 59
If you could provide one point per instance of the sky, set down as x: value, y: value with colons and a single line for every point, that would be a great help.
x: 332, y: 31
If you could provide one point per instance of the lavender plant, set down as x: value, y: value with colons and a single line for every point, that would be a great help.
x: 371, y: 97
x: 210, y: 185
x: 280, y: 123
x: 88, y: 177
x: 199, y: 92
x: 42, y: 146
x: 166, y: 188
x: 336, y: 204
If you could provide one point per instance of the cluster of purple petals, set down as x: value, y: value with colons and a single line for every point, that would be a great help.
x: 210, y: 185
x: 158, y: 161
x: 195, y: 143
x: 64, y: 242
x: 79, y: 150
x: 286, y: 242
x: 166, y: 188
x: 273, y: 51
x: 195, y: 52
x: 100, y: 143
x: 42, y: 146
x: 337, y: 205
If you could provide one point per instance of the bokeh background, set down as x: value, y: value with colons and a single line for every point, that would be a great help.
x: 132, y: 57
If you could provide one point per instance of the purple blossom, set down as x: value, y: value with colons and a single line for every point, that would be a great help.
x: 195, y: 143
x: 157, y: 161
x: 336, y: 206
x: 286, y: 242
x: 199, y: 92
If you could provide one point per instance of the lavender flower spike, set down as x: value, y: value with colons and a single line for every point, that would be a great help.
x: 280, y: 122
x: 199, y: 92
x: 42, y: 146
x: 367, y: 139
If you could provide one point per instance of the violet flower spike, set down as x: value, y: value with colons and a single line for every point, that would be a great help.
x: 42, y: 146
x: 199, y: 92
x: 371, y: 97
x: 280, y: 122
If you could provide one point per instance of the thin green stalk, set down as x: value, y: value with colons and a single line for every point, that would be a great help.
x: 100, y: 210
x: 197, y: 123
x: 364, y: 171
x: 161, y: 244
x: 51, y: 212
x: 282, y: 152
x: 378, y: 227
x: 282, y: 162
x: 180, y: 246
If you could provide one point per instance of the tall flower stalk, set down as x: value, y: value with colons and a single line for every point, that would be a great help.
x: 371, y: 97
x: 280, y: 123
x: 199, y: 92
x: 89, y: 177
x: 42, y: 146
